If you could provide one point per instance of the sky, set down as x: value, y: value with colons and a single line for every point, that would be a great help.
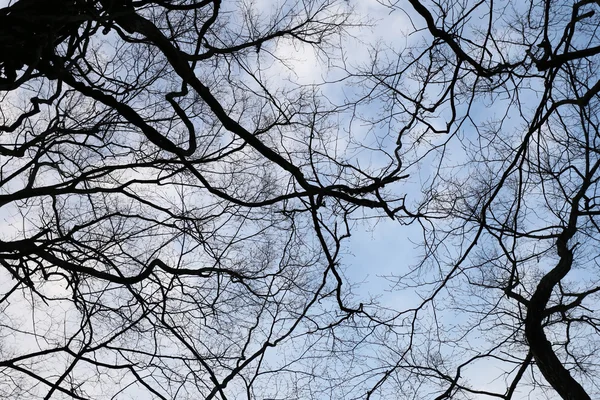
x: 385, y: 248
x: 374, y: 250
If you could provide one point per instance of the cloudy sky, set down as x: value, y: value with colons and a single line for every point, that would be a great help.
x: 376, y: 249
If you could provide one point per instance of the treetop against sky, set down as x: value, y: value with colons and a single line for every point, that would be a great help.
x: 299, y: 199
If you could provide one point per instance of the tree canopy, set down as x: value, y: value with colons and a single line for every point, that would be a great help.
x: 181, y: 193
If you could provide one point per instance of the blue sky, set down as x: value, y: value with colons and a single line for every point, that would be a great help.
x: 378, y: 248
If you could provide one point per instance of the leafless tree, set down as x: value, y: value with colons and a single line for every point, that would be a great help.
x: 175, y: 212
x: 497, y: 102
x: 172, y: 216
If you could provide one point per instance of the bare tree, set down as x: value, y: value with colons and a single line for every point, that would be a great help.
x: 175, y: 211
x: 499, y: 101
x: 172, y: 216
